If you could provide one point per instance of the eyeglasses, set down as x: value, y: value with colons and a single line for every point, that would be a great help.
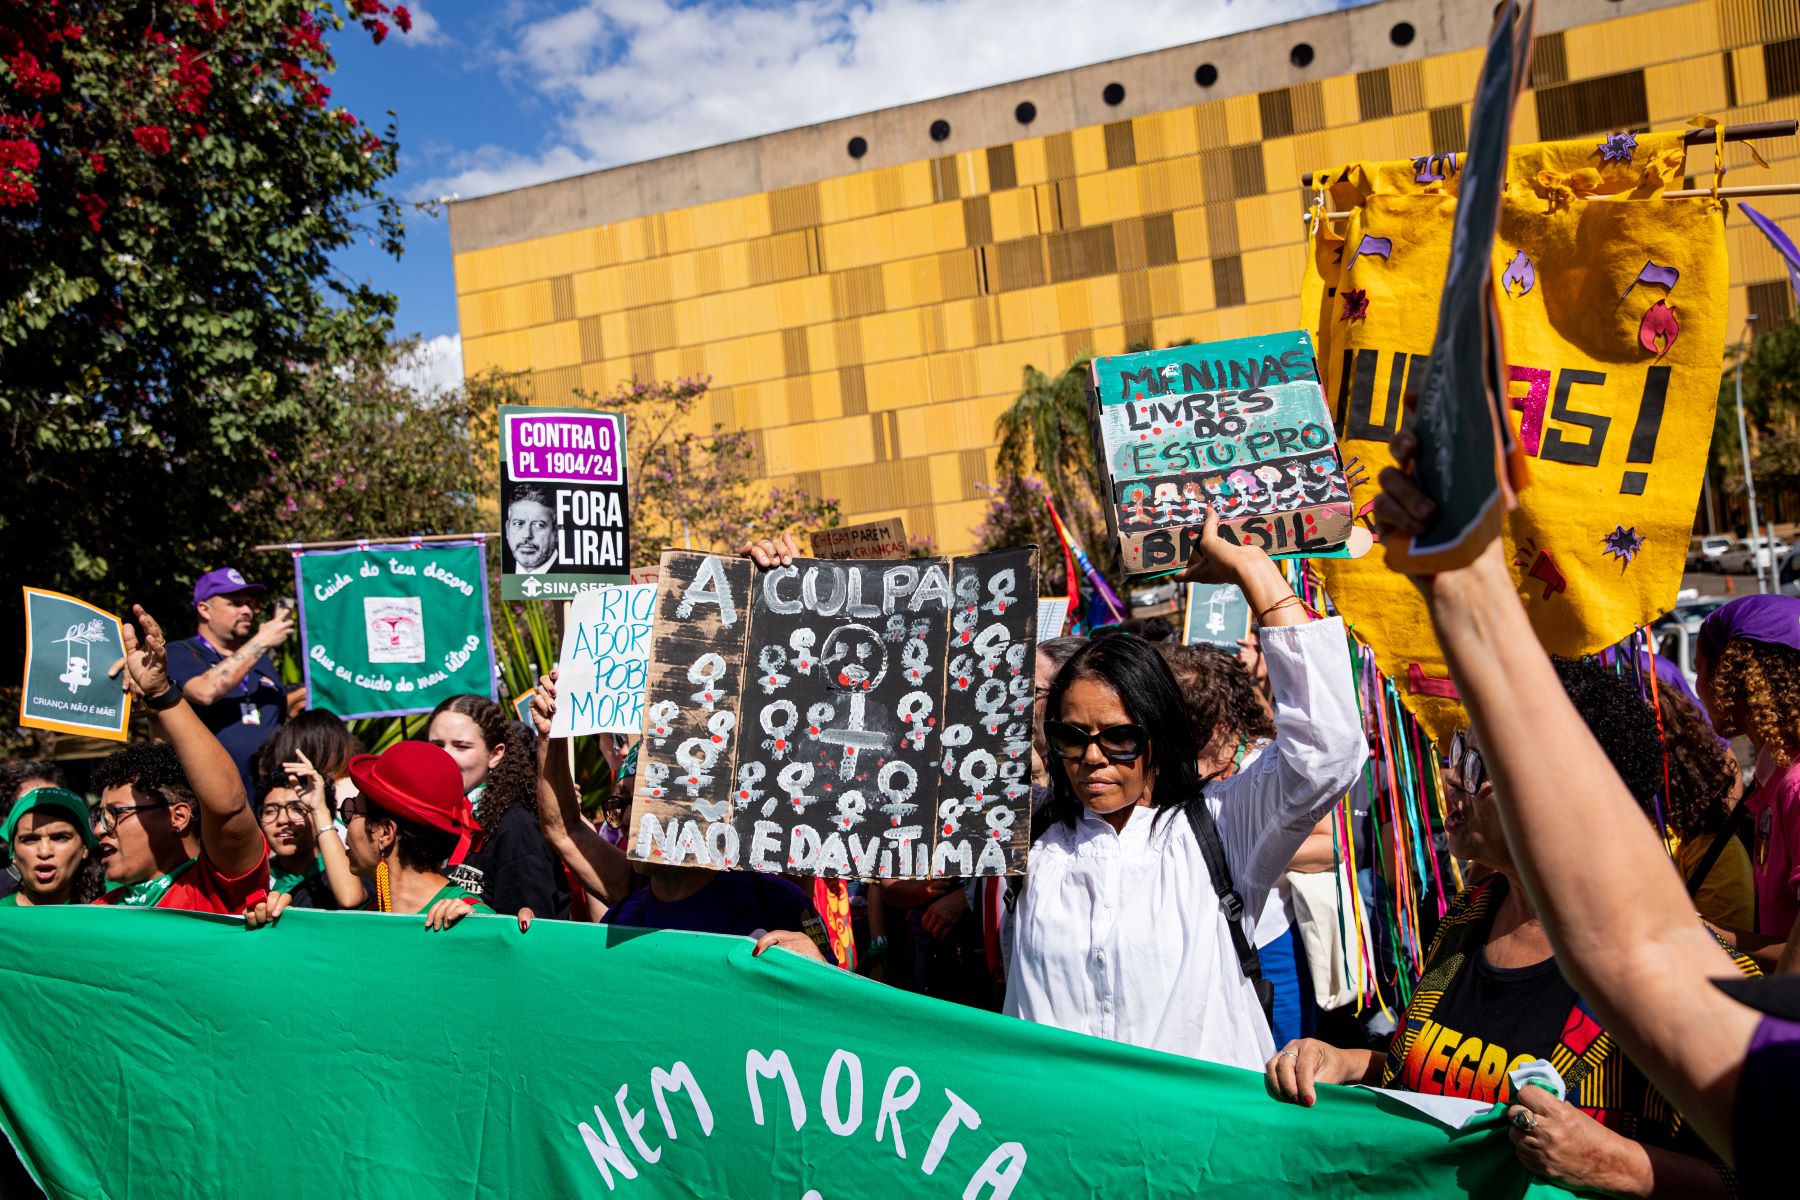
x: 1119, y: 743
x: 109, y: 817
x: 1466, y: 761
x: 350, y: 808
x: 296, y: 810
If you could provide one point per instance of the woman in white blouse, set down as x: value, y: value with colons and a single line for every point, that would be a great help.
x: 1119, y: 933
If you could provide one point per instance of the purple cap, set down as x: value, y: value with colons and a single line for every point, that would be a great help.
x: 1773, y: 620
x: 223, y: 581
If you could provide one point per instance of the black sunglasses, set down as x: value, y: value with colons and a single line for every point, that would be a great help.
x: 1466, y: 759
x: 1119, y: 743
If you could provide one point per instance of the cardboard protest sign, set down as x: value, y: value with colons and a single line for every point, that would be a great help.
x: 604, y: 662
x: 872, y: 539
x: 868, y: 720
x: 1218, y: 614
x: 565, y: 519
x: 392, y: 630
x: 1615, y: 430
x: 1468, y: 459
x: 1240, y: 425
x: 69, y: 647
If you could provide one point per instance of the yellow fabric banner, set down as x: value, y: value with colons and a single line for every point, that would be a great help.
x: 1613, y: 316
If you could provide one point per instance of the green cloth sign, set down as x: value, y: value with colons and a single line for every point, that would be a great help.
x: 390, y: 630
x: 582, y: 1060
x: 69, y: 647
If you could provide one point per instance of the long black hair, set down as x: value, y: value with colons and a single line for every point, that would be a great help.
x: 1133, y: 669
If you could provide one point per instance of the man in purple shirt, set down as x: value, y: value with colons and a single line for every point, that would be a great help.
x: 225, y: 670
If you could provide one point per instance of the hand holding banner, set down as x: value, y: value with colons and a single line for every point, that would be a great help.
x: 605, y: 661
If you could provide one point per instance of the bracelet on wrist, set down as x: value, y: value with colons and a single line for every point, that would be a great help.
x: 1263, y: 616
x: 164, y: 700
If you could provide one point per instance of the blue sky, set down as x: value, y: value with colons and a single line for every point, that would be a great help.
x: 495, y: 94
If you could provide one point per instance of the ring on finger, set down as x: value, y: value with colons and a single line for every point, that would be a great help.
x: 1525, y: 1121
x: 1289, y: 1054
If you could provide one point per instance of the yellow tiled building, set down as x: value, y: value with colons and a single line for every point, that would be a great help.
x: 864, y: 293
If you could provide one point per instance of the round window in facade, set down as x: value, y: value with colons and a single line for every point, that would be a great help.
x: 1113, y: 94
x: 940, y: 129
x: 1026, y: 113
x: 1401, y: 34
x: 857, y: 147
x: 1206, y: 75
x: 1301, y: 55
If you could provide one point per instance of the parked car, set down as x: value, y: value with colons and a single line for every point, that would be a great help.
x: 1691, y: 612
x: 1677, y: 642
x: 1704, y: 551
x: 1787, y: 577
x: 1747, y: 558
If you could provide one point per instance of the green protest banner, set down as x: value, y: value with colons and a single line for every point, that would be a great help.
x: 391, y: 630
x: 69, y: 645
x: 582, y: 1060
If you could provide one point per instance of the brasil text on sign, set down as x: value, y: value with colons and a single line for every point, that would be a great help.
x: 1240, y: 426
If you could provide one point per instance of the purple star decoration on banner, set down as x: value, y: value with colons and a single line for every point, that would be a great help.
x: 1623, y: 544
x: 1618, y: 148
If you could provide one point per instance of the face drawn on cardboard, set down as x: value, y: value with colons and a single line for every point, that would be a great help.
x: 865, y: 719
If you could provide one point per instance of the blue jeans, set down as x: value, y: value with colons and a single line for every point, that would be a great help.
x: 1284, y: 966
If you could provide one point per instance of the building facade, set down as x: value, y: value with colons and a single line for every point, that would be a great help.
x: 864, y: 294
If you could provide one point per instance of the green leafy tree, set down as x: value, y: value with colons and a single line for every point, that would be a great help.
x: 380, y: 458
x: 1771, y: 411
x: 173, y: 182
x: 697, y: 488
x: 1046, y: 433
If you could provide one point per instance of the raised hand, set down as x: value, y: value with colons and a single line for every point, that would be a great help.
x: 276, y: 630
x: 1217, y: 559
x: 778, y: 551
x: 1402, y: 508
x: 543, y: 704
x: 306, y: 780
x: 146, y: 661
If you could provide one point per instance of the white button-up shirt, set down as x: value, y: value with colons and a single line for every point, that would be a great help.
x: 1119, y: 935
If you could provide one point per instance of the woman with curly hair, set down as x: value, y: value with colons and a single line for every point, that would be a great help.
x: 1749, y: 669
x: 52, y: 847
x: 1701, y: 808
x: 509, y: 864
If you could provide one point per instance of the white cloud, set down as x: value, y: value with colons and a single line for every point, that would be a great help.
x: 434, y: 365
x: 627, y: 80
x: 425, y: 28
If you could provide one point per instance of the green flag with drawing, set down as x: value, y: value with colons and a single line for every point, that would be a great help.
x: 391, y: 630
x: 582, y: 1060
x: 69, y: 646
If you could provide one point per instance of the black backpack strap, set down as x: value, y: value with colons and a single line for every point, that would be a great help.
x: 1212, y: 849
x: 1720, y: 844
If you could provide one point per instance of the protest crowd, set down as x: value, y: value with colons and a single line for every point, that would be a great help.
x: 1559, y: 889
x: 1175, y: 789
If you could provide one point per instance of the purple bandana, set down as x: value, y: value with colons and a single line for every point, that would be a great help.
x: 1773, y: 620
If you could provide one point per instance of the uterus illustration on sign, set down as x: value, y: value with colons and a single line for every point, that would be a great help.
x: 396, y: 629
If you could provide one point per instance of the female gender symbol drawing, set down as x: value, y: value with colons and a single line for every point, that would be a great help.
x: 853, y: 661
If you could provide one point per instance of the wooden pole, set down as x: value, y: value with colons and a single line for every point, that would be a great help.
x: 1730, y: 193
x: 276, y: 547
x: 1701, y: 137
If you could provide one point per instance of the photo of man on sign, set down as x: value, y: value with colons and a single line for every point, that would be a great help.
x: 530, y: 531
